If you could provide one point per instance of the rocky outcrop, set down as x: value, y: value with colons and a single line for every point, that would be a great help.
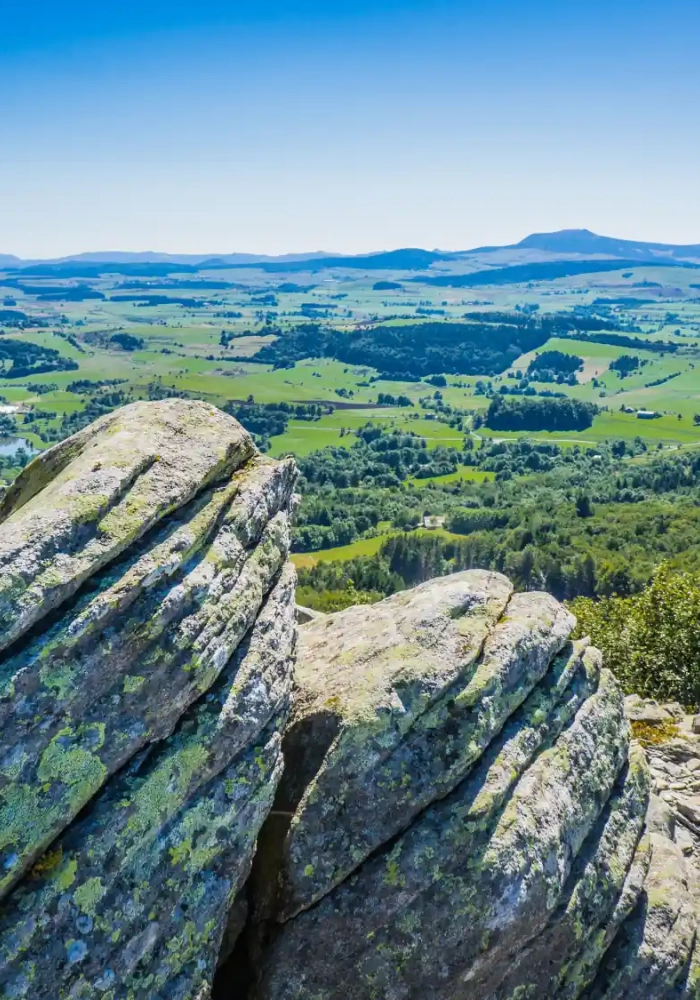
x: 462, y: 816
x: 448, y: 806
x: 657, y: 953
x: 440, y: 671
x: 148, y: 644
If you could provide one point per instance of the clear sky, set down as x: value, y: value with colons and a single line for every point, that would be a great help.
x: 347, y: 125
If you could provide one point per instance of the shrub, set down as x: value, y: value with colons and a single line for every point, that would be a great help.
x: 650, y: 640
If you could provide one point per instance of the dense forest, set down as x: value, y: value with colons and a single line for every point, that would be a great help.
x: 414, y: 348
x: 578, y: 522
x: 613, y: 550
x: 127, y: 342
x: 555, y: 366
x: 624, y: 365
x: 19, y: 358
x: 15, y: 318
x: 486, y: 345
x: 554, y: 414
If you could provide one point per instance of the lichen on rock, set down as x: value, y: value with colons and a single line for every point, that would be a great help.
x: 121, y: 665
x: 525, y: 854
x: 137, y: 891
x: 145, y: 681
x: 442, y: 669
x: 80, y: 504
x: 453, y: 808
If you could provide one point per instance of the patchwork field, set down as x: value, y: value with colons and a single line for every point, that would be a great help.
x: 198, y: 333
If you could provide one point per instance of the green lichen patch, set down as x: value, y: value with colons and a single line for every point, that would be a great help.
x: 433, y: 694
x: 654, y: 734
x: 133, y: 898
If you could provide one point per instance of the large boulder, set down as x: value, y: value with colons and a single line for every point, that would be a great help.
x: 462, y: 816
x: 452, y: 809
x: 400, y: 700
x: 148, y: 637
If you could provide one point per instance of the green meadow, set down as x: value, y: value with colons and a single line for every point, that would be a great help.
x: 205, y: 346
x: 362, y: 547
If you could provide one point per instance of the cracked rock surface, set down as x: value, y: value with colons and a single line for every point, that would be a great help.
x: 148, y: 644
x: 445, y: 798
x: 464, y: 815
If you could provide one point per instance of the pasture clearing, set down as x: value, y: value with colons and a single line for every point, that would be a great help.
x: 362, y: 547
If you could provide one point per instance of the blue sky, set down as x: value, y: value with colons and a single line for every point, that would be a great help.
x: 275, y: 127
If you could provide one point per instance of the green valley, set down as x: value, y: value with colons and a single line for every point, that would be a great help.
x: 444, y: 412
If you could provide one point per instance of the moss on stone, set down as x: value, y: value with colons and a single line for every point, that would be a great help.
x: 654, y: 734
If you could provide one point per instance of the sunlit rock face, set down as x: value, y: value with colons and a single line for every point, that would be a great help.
x: 463, y: 815
x: 148, y: 636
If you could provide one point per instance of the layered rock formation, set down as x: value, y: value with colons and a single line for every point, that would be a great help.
x: 148, y: 643
x: 462, y: 816
x: 451, y: 809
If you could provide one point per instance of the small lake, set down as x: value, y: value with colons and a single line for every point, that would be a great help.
x: 9, y: 445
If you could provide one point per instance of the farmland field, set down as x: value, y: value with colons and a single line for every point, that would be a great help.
x: 383, y: 385
x: 204, y: 343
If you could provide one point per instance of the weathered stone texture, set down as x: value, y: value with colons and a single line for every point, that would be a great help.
x: 81, y: 503
x: 453, y: 808
x: 440, y: 675
x: 149, y: 644
x: 468, y: 817
x: 136, y: 893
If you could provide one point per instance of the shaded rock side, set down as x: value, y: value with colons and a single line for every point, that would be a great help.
x: 118, y: 667
x: 522, y: 857
x: 131, y: 902
x: 651, y: 954
x: 657, y: 954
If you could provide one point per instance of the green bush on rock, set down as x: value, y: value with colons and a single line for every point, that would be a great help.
x: 650, y: 640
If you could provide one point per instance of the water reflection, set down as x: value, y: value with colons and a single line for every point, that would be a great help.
x: 9, y: 445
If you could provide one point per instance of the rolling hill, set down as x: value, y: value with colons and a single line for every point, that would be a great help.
x: 564, y: 244
x: 586, y: 243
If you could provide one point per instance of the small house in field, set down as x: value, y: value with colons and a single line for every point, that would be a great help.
x: 647, y: 414
x: 430, y: 521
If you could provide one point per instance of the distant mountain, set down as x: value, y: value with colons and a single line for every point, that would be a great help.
x: 548, y: 270
x: 408, y: 259
x: 245, y: 259
x: 538, y: 247
x: 9, y: 261
x: 584, y: 242
x: 148, y: 257
x: 124, y: 257
x: 118, y: 262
